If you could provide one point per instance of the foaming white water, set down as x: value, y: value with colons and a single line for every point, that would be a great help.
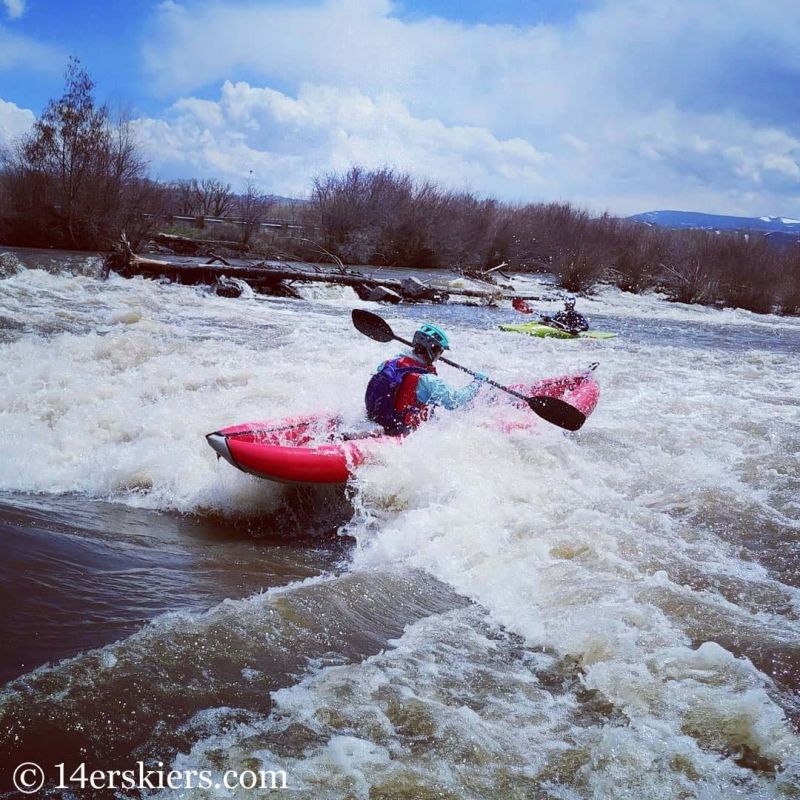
x: 620, y: 547
x: 113, y: 386
x: 459, y: 709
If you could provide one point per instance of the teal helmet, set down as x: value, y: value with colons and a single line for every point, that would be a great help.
x: 432, y: 340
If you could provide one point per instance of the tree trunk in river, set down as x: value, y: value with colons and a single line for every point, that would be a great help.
x: 272, y: 277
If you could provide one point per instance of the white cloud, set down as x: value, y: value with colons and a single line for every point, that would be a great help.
x: 726, y: 165
x: 15, y: 8
x: 14, y: 121
x: 287, y: 141
x: 629, y: 101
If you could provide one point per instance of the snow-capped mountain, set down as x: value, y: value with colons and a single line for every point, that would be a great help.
x: 718, y: 222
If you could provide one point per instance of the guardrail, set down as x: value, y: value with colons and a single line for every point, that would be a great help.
x: 200, y: 221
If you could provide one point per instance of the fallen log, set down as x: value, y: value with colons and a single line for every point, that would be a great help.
x: 274, y: 277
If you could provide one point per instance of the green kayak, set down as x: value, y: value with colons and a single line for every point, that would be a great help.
x: 538, y: 329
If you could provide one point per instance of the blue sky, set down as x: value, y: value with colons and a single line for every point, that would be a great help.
x: 618, y: 105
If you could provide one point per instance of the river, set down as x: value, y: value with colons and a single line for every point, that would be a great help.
x: 478, y: 614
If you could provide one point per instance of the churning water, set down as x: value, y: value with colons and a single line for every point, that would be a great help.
x: 612, y: 613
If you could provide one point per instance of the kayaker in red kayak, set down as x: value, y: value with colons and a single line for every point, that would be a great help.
x: 405, y: 389
x: 518, y: 304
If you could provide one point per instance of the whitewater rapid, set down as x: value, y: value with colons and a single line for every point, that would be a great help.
x: 612, y: 613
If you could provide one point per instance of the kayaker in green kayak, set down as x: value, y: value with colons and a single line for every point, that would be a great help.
x: 569, y: 319
x: 405, y: 389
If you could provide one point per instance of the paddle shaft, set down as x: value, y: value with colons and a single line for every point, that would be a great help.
x: 551, y: 323
x: 470, y: 372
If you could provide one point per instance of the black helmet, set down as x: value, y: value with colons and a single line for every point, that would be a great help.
x: 432, y: 340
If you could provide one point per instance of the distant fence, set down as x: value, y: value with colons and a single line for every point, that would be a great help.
x: 202, y: 222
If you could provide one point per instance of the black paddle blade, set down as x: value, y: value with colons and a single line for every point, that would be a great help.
x: 372, y: 325
x: 557, y: 412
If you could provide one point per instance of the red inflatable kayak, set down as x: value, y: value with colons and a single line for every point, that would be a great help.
x: 317, y: 449
x: 311, y: 449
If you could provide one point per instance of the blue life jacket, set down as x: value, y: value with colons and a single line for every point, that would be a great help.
x: 381, y: 396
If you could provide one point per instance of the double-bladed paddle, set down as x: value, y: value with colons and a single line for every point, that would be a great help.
x: 559, y: 326
x: 550, y: 409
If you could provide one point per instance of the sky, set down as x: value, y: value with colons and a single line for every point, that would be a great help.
x: 619, y: 106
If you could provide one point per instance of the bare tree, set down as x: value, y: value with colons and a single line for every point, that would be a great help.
x: 143, y: 208
x: 639, y: 256
x: 789, y: 284
x: 253, y: 207
x: 206, y: 198
x: 218, y: 198
x: 70, y: 144
x: 70, y: 174
x: 688, y: 274
x: 184, y: 197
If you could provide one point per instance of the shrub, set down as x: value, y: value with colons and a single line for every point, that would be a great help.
x: 687, y: 275
x: 788, y: 288
x: 638, y: 259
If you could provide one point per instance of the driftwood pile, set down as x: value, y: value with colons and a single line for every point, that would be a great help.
x: 278, y: 278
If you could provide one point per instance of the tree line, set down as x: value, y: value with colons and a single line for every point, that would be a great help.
x: 382, y: 217
x: 78, y: 179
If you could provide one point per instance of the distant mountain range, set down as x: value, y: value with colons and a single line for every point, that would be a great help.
x: 719, y: 222
x: 287, y: 201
